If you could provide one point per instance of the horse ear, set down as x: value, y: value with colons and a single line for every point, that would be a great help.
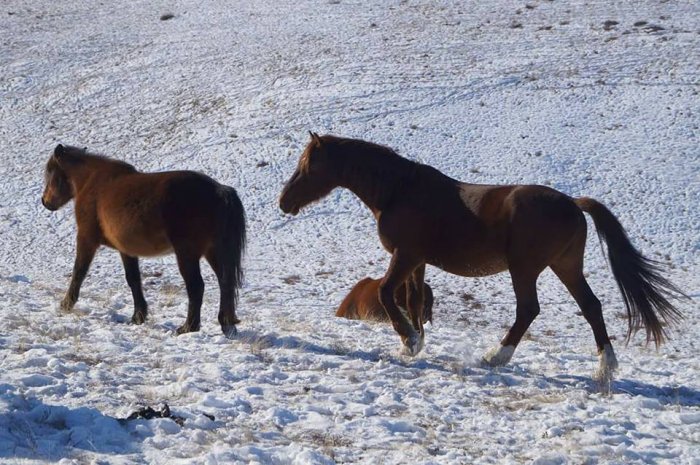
x: 315, y: 138
x: 59, y: 151
x: 63, y: 156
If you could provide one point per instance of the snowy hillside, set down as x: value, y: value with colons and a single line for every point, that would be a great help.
x: 593, y: 98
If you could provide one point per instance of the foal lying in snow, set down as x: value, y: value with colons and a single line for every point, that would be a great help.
x: 362, y: 303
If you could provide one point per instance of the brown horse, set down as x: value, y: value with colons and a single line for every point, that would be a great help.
x: 424, y: 216
x: 362, y: 303
x: 146, y: 214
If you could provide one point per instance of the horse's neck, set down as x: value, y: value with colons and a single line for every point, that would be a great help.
x: 96, y: 170
x: 372, y: 185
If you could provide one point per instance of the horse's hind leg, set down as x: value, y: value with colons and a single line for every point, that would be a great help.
x: 133, y: 279
x: 227, y: 291
x: 569, y: 269
x: 527, y: 309
x: 189, y: 269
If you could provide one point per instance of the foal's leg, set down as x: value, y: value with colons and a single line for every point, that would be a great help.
x: 133, y: 278
x: 227, y: 294
x: 527, y: 309
x: 189, y: 269
x: 573, y: 279
x: 85, y: 252
x: 400, y: 269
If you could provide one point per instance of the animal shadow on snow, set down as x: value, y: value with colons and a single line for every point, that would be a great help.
x: 515, y: 375
x: 31, y: 429
x: 665, y: 395
x: 272, y: 340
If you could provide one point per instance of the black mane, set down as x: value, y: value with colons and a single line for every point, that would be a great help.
x: 80, y: 155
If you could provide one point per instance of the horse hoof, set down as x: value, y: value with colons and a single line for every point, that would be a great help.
x: 413, y: 344
x: 229, y: 331
x: 138, y: 318
x: 67, y: 306
x: 608, y: 364
x: 498, y: 356
x: 186, y: 329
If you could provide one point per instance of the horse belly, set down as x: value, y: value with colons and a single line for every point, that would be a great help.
x: 146, y: 246
x: 483, y: 262
x: 137, y: 235
x: 479, y: 268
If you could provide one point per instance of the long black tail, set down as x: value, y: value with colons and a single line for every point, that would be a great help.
x: 646, y: 293
x: 233, y: 237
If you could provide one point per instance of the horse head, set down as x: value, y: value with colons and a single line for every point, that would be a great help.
x: 313, y: 179
x: 58, y: 190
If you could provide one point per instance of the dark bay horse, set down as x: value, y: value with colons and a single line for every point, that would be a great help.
x: 147, y: 214
x: 362, y: 302
x: 425, y: 217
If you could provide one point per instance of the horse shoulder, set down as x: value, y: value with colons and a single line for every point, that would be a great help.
x: 87, y: 219
x: 390, y: 224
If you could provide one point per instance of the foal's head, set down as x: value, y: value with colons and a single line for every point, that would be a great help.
x: 58, y: 190
x: 313, y: 179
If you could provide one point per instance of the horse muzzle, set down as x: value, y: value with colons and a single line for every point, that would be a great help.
x: 49, y: 206
x: 288, y: 208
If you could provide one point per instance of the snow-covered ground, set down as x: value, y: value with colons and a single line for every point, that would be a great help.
x: 594, y: 98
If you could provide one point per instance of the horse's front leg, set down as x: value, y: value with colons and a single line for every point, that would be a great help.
x: 400, y: 268
x: 415, y: 298
x: 133, y: 279
x: 85, y: 252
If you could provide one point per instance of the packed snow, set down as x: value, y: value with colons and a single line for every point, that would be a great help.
x: 593, y: 98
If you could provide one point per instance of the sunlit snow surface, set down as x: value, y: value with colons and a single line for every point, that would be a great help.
x: 548, y: 92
